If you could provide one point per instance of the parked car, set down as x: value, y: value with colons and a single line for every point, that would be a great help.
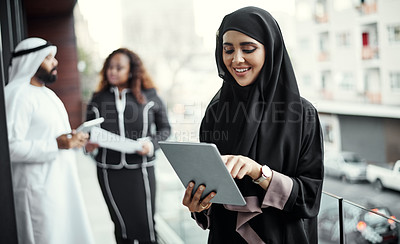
x: 348, y: 166
x: 377, y: 229
x: 360, y: 226
x: 382, y: 177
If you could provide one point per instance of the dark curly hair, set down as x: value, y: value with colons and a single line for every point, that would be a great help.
x: 139, y: 78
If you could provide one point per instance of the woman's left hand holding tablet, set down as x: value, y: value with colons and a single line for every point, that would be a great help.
x: 195, y: 203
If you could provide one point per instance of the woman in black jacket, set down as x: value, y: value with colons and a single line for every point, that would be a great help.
x: 127, y: 99
x: 273, y: 146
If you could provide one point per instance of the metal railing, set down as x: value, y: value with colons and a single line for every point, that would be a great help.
x: 342, y: 221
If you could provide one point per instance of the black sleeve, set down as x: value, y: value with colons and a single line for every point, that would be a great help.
x: 307, y: 185
x: 92, y: 110
x: 163, y: 128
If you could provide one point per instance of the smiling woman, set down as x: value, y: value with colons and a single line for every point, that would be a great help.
x: 243, y: 56
x: 273, y: 148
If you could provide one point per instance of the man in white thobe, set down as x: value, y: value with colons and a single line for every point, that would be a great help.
x: 48, y: 200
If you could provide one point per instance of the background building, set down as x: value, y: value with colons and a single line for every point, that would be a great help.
x: 347, y: 63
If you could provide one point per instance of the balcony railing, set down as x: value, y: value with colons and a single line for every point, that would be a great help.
x: 368, y: 53
x: 367, y: 8
x: 342, y: 221
x: 321, y: 18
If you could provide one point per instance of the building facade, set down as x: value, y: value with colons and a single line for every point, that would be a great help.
x: 347, y: 63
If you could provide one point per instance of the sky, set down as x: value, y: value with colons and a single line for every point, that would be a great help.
x: 104, y: 22
x: 207, y: 19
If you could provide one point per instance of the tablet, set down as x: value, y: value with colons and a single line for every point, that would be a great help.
x: 87, y: 126
x: 202, y: 163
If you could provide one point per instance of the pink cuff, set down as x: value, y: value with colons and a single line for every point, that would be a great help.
x: 278, y: 191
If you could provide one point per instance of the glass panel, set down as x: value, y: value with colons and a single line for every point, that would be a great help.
x: 369, y: 225
x: 169, y: 205
x: 372, y: 224
x: 395, y: 81
x: 328, y: 220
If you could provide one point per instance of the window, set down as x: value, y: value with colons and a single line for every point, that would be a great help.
x: 395, y: 81
x: 307, y: 80
x: 394, y: 33
x: 323, y: 54
x: 321, y: 15
x: 369, y: 39
x: 304, y: 44
x: 331, y: 131
x: 327, y: 131
x: 346, y: 81
x: 343, y: 39
x: 325, y: 76
x: 370, y: 35
x: 324, y: 42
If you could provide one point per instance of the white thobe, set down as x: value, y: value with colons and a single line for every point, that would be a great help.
x: 48, y: 200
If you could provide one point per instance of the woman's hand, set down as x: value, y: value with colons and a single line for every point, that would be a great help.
x: 195, y: 204
x: 239, y: 166
x: 146, y: 147
x: 90, y: 147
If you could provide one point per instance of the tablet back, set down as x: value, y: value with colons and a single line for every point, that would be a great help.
x: 202, y: 163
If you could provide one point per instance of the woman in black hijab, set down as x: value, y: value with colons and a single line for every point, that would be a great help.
x: 269, y: 135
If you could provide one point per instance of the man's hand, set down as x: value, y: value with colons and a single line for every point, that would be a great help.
x: 72, y: 140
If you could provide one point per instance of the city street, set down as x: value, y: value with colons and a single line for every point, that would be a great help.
x: 355, y: 196
x: 363, y: 193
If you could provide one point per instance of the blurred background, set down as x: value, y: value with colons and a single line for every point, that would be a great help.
x: 345, y: 53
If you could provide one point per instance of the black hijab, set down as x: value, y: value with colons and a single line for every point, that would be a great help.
x: 263, y: 122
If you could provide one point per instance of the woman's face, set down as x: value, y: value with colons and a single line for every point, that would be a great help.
x: 243, y: 56
x: 118, y: 70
